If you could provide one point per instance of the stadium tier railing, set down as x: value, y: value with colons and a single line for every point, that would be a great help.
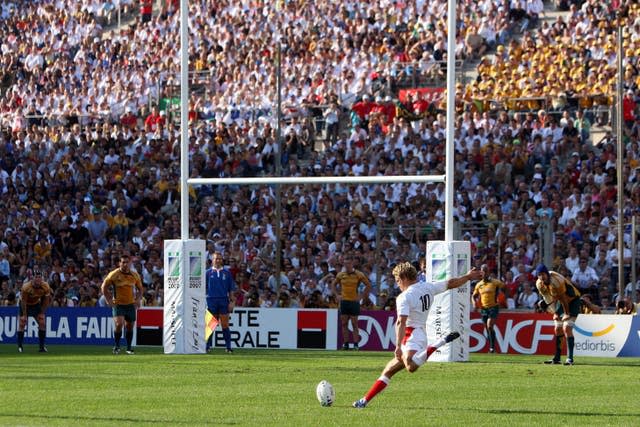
x: 416, y: 74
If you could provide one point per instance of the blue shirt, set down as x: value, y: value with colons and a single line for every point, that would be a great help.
x: 219, y: 283
x: 5, y: 267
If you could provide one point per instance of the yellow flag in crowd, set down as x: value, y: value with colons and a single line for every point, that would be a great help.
x: 210, y: 323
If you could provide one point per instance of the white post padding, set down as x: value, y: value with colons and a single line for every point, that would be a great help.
x: 185, y: 296
x: 450, y: 310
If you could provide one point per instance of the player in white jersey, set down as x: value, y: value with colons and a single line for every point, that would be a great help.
x: 416, y: 301
x: 413, y: 306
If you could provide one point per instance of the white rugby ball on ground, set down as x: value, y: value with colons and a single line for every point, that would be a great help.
x: 325, y: 393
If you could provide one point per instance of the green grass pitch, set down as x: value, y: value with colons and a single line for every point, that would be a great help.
x: 88, y: 386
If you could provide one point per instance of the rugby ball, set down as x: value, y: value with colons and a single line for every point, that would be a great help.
x: 325, y: 393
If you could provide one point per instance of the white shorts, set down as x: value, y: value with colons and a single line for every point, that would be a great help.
x: 417, y: 341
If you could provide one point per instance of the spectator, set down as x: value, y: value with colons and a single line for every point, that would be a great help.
x: 155, y: 120
x: 614, y: 257
x: 573, y: 260
x: 626, y: 306
x: 120, y: 226
x: 588, y: 307
x: 129, y: 120
x: 146, y: 10
x: 98, y: 227
x: 586, y: 279
x: 5, y: 266
x: 284, y: 279
x: 527, y: 298
x: 628, y: 108
x: 10, y: 300
x: 60, y: 299
x: 284, y: 299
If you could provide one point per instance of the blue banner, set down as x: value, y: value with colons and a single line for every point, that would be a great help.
x: 631, y: 347
x: 91, y: 326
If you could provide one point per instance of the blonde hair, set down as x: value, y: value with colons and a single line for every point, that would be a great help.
x: 405, y: 270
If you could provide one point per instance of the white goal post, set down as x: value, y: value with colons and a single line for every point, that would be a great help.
x: 180, y: 312
x: 444, y: 258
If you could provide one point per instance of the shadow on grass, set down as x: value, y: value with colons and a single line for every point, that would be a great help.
x: 616, y: 362
x: 28, y: 377
x: 43, y: 419
x: 563, y: 413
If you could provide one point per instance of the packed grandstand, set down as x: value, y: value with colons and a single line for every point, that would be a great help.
x: 89, y: 163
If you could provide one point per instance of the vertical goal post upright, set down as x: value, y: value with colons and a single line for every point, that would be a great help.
x: 189, y: 263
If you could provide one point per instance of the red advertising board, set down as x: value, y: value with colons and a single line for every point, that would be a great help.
x: 516, y: 332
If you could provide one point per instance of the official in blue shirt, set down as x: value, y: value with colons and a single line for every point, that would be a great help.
x: 220, y: 285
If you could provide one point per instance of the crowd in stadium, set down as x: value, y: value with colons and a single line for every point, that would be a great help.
x: 89, y: 156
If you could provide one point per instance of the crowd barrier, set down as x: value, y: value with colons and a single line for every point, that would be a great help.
x: 598, y: 335
x: 516, y: 332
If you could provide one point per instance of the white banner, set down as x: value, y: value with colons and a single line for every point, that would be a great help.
x: 284, y: 328
x: 185, y: 298
x: 450, y: 310
x: 173, y: 297
x: 602, y: 335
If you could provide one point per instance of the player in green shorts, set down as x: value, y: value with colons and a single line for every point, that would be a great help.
x: 485, y: 295
x: 122, y: 288
x: 348, y: 282
x: 562, y: 298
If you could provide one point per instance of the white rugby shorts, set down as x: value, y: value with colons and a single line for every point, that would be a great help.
x: 417, y: 341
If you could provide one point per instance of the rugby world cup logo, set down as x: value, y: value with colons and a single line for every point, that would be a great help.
x: 173, y: 259
x: 438, y: 267
x: 195, y: 270
x: 462, y: 263
x: 195, y: 264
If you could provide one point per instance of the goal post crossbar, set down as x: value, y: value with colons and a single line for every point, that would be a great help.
x: 383, y: 179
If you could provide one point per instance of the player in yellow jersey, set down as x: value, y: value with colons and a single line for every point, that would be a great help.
x: 562, y: 298
x: 122, y: 288
x: 349, y: 280
x: 485, y: 294
x: 35, y: 297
